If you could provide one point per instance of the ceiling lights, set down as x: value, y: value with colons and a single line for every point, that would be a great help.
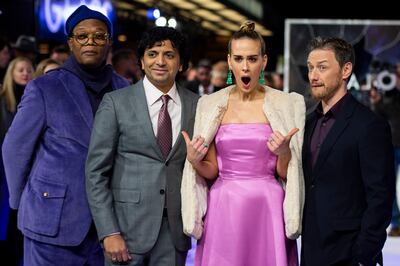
x: 211, y: 14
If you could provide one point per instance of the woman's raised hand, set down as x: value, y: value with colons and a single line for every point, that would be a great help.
x: 279, y: 144
x: 196, y: 148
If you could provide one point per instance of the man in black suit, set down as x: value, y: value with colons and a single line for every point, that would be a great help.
x: 348, y: 166
x: 202, y: 84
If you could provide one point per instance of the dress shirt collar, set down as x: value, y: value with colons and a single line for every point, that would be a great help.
x: 335, y: 110
x: 153, y: 94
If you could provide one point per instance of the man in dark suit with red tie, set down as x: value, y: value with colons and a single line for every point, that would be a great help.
x: 348, y: 167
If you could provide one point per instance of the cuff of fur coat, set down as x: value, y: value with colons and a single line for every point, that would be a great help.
x: 293, y: 230
x: 196, y: 232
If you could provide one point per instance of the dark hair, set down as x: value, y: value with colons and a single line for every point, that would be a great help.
x: 158, y: 34
x: 121, y: 55
x: 205, y: 63
x: 247, y: 30
x: 4, y: 43
x: 62, y: 48
x: 344, y: 51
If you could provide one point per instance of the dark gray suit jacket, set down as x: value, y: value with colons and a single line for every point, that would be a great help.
x: 127, y: 178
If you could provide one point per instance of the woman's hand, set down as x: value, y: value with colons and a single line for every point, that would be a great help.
x: 196, y: 148
x: 279, y: 144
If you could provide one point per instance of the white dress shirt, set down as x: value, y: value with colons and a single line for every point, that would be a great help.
x: 154, y: 103
x: 210, y: 89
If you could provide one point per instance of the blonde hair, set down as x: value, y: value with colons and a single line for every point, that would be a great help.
x: 247, y: 30
x: 247, y: 26
x: 7, y: 89
x: 42, y: 66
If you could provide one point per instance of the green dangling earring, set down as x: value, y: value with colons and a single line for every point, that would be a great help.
x: 229, y: 79
x: 261, y: 80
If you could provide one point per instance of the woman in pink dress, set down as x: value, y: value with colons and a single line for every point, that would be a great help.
x: 255, y: 139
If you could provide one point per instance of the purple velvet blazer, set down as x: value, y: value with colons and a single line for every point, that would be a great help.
x: 44, y: 154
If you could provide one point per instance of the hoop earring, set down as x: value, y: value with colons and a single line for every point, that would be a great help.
x: 229, y: 79
x: 261, y: 80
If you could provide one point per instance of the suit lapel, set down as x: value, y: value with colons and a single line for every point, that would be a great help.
x: 335, y: 132
x: 310, y: 125
x: 79, y: 96
x: 186, y: 114
x: 139, y: 103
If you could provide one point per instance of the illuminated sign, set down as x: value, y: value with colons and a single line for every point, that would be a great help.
x: 376, y: 44
x: 52, y: 14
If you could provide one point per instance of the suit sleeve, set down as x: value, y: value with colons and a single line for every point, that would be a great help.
x: 99, y: 165
x: 21, y: 140
x: 377, y: 169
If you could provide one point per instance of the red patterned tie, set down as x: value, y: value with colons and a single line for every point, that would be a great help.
x: 164, y: 129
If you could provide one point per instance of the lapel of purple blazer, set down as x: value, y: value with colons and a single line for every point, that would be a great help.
x: 78, y: 94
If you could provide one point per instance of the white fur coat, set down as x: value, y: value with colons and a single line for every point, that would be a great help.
x: 284, y: 112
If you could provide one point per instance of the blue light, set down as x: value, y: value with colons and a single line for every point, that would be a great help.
x: 153, y: 14
x: 52, y: 14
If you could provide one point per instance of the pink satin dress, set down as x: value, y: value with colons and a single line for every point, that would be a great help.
x: 244, y: 222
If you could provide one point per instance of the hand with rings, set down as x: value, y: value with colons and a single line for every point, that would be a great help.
x: 279, y: 144
x: 196, y: 148
x: 115, y: 248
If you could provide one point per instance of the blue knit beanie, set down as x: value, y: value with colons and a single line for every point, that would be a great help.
x: 82, y: 13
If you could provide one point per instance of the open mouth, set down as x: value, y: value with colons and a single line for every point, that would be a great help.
x: 246, y: 80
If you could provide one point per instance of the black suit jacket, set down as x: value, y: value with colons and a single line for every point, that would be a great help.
x: 350, y: 190
x: 194, y: 86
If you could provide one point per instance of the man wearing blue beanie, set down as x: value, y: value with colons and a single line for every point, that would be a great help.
x: 46, y: 146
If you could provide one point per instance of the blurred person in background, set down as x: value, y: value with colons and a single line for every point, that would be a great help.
x: 219, y: 73
x: 275, y: 80
x: 201, y: 85
x: 125, y: 63
x: 190, y: 73
x: 387, y: 105
x: 5, y: 57
x: 60, y: 53
x: 45, y: 66
x: 18, y: 74
x: 45, y: 148
x: 26, y: 46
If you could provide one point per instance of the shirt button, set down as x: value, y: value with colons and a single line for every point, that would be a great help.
x: 162, y: 191
x: 45, y: 194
